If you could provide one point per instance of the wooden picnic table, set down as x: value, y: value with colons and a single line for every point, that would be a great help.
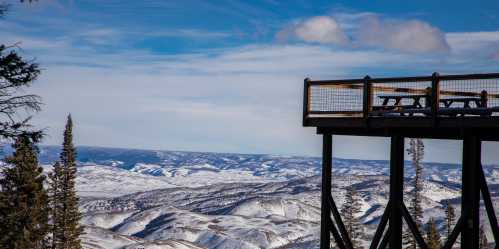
x: 465, y: 100
x: 416, y: 101
x: 397, y: 106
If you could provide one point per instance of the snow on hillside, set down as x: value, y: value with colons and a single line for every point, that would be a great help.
x: 163, y: 199
x: 98, y: 238
x: 251, y: 215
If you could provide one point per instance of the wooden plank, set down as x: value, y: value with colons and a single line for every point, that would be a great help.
x: 335, y: 112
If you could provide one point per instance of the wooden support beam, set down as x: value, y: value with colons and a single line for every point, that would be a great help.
x: 470, y: 200
x: 381, y: 227
x: 413, y: 227
x: 386, y: 239
x: 336, y: 236
x: 453, y: 235
x: 326, y: 223
x: 396, y: 190
x: 339, y: 224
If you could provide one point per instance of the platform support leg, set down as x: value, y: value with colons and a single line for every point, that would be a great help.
x: 470, y: 200
x: 326, y: 223
x: 396, y: 190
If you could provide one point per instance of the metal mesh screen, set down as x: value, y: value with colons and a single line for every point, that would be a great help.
x: 336, y: 99
x: 471, y: 93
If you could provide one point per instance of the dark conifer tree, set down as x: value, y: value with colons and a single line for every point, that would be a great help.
x: 484, y: 243
x: 350, y: 211
x: 65, y: 215
x: 56, y: 205
x: 432, y: 235
x: 16, y: 74
x: 450, y: 217
x: 416, y: 151
x: 23, y: 200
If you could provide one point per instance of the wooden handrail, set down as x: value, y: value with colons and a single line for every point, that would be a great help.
x: 408, y: 79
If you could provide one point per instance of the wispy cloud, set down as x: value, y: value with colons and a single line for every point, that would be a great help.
x: 223, y: 99
x: 189, y: 33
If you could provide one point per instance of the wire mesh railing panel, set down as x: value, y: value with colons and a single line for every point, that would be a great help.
x: 481, y: 95
x: 398, y: 96
x: 453, y: 96
x: 341, y: 99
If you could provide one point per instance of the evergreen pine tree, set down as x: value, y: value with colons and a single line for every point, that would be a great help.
x: 432, y: 235
x: 23, y: 200
x: 65, y: 215
x: 484, y: 244
x: 416, y: 151
x: 450, y: 216
x: 350, y: 211
x: 55, y: 197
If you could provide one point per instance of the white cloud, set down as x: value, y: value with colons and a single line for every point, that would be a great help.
x: 474, y: 44
x: 411, y: 36
x: 319, y: 29
x: 368, y: 30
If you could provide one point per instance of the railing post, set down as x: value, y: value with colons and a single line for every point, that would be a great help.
x: 435, y: 96
x: 306, y: 100
x: 327, y: 157
x: 367, y: 100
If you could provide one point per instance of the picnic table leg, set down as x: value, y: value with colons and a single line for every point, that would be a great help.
x: 385, y: 101
x: 397, y: 100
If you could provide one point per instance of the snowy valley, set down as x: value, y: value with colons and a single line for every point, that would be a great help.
x: 161, y: 199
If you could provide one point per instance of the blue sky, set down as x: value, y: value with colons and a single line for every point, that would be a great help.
x: 227, y: 75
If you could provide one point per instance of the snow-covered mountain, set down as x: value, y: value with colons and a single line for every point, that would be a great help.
x: 163, y: 199
x: 250, y: 167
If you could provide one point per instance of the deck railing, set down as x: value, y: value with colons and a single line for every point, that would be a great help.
x: 428, y: 96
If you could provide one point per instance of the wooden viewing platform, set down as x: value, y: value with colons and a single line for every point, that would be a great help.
x: 464, y: 107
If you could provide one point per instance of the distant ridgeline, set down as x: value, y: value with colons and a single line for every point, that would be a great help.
x: 257, y: 163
